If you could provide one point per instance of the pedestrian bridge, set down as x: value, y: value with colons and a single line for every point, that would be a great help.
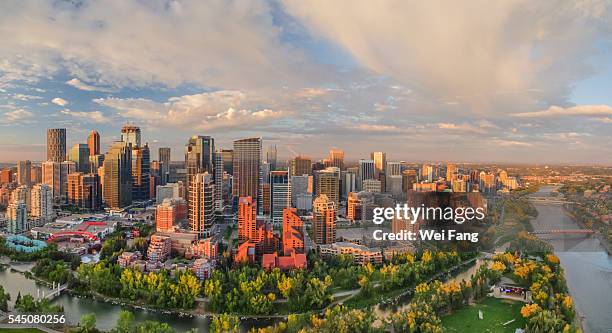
x: 549, y: 200
x: 56, y: 290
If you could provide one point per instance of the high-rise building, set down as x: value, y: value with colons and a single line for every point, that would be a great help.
x: 301, y: 192
x: 327, y: 182
x: 336, y: 158
x: 228, y: 160
x: 55, y: 175
x: 41, y: 203
x: 168, y: 213
x: 95, y: 162
x: 93, y: 143
x: 367, y: 170
x: 300, y: 165
x: 6, y: 176
x: 17, y: 216
x: 280, y: 194
x: 218, y: 173
x: 164, y: 160
x: 141, y: 173
x: 35, y: 174
x: 371, y: 185
x: 202, y: 204
x: 79, y: 154
x: 427, y: 173
x: 265, y: 195
x: 130, y: 134
x: 380, y: 163
x: 56, y: 144
x: 21, y: 193
x: 247, y: 219
x: 393, y: 169
x: 451, y: 170
x: 323, y: 220
x: 293, y: 232
x: 271, y: 155
x: 170, y: 191
x: 84, y: 191
x: 409, y: 177
x: 348, y: 183
x: 24, y: 176
x: 199, y: 156
x: 117, y: 175
x: 246, y: 167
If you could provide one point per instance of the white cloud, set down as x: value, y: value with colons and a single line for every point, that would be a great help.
x: 463, y: 127
x: 74, y: 82
x: 92, y: 116
x: 557, y: 111
x: 59, y: 101
x: 213, y: 110
x: 376, y: 128
x: 122, y: 43
x: 17, y: 115
x: 605, y: 120
x: 512, y: 143
x: 490, y: 56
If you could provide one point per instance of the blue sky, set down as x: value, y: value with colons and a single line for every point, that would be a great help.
x: 480, y: 81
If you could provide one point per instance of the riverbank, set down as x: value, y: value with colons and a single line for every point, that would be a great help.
x: 583, y: 259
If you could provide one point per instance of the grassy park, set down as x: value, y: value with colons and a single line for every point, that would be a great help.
x: 495, y: 311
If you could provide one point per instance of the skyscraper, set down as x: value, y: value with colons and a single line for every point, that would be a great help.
x: 84, y: 191
x: 55, y: 175
x: 367, y: 170
x: 56, y: 145
x: 41, y: 203
x: 336, y: 158
x: 327, y: 182
x: 164, y: 159
x: 117, y: 175
x: 24, y: 176
x: 300, y: 165
x: 246, y: 167
x: 141, y: 173
x: 451, y: 169
x: 324, y: 220
x: 218, y: 173
x: 202, y: 204
x: 271, y: 155
x: 199, y: 155
x: 22, y: 193
x: 280, y: 194
x: 93, y: 142
x: 380, y: 163
x: 131, y: 134
x: 17, y: 216
x: 35, y: 174
x: 79, y: 154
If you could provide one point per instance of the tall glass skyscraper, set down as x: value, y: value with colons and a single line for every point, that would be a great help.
x: 56, y: 144
x: 247, y: 169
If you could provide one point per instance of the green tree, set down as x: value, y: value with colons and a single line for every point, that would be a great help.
x: 224, y: 323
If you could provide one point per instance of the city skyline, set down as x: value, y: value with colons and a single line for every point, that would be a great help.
x: 513, y: 86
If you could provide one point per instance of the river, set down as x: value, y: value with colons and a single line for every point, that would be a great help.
x: 588, y: 267
x: 106, y: 313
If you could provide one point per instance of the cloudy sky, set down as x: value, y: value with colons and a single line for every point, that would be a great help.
x: 478, y: 80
